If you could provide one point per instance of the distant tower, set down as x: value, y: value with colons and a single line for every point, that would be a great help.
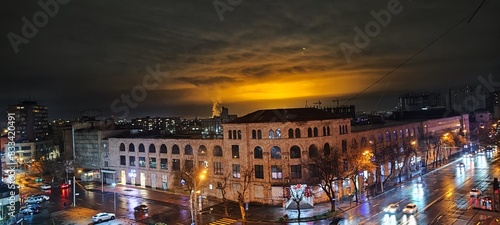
x: 31, y: 121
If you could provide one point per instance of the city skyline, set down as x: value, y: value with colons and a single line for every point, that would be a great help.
x: 178, y: 59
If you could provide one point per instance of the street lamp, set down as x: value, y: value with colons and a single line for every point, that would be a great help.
x: 193, y: 194
x: 114, y: 195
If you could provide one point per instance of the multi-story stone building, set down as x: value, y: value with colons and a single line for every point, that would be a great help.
x: 273, y: 143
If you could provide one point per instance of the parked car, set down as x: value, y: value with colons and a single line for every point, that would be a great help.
x: 141, y: 208
x: 410, y: 209
x: 45, y: 197
x: 392, y: 208
x: 103, y: 216
x: 29, y: 210
x: 46, y: 186
x: 474, y: 193
x: 461, y: 165
x: 33, y: 200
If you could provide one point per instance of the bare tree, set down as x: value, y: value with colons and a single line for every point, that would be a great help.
x: 297, y: 197
x: 222, y: 186
x: 358, y: 160
x: 390, y: 154
x: 408, y: 151
x: 324, y: 170
x: 247, y: 176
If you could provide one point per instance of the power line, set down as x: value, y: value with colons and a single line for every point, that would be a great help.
x: 417, y: 53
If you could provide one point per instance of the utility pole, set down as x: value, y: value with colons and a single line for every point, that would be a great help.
x: 74, y: 192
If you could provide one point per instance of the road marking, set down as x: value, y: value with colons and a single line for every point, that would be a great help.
x: 223, y: 221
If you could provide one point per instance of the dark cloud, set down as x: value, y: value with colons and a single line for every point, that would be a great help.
x: 91, y: 52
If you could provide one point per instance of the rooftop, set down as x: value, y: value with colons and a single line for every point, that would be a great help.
x: 286, y: 115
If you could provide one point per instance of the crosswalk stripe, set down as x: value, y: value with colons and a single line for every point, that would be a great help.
x: 223, y: 221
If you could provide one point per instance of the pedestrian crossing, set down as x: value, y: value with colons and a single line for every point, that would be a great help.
x: 223, y: 221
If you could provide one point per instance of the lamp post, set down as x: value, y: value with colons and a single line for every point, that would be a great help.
x: 193, y: 195
x: 114, y: 195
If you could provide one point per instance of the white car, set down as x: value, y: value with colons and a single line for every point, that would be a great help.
x: 392, y: 208
x: 99, y: 217
x: 46, y: 186
x: 410, y: 209
x: 475, y: 193
x: 33, y: 200
x: 45, y: 197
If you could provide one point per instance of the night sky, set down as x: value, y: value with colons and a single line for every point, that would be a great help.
x: 176, y: 58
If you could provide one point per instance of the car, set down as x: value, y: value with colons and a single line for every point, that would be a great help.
x: 44, y: 197
x: 29, y: 210
x: 392, y: 208
x: 461, y: 165
x: 103, y: 216
x: 474, y: 193
x: 33, y: 200
x: 410, y: 209
x: 64, y: 185
x: 46, y: 186
x: 141, y: 208
x: 486, y: 199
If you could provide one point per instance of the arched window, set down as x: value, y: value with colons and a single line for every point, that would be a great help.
x: 176, y: 150
x: 152, y: 148
x: 400, y: 133
x: 275, y: 152
x: 372, y: 139
x: 217, y: 151
x: 278, y: 133
x: 412, y: 132
x: 188, y: 150
x: 380, y: 138
x: 254, y: 134
x: 406, y: 132
x: 363, y: 142
x: 295, y: 152
x: 202, y: 150
x: 141, y: 148
x: 257, y: 152
x: 326, y: 149
x: 309, y: 132
x: 297, y: 133
x: 239, y: 134
x: 230, y: 134
x: 394, y: 135
x: 387, y: 136
x: 259, y: 134
x: 290, y: 133
x: 313, y: 151
x: 271, y: 134
x: 163, y: 148
x: 354, y: 143
x: 131, y: 147
x: 122, y: 147
x: 315, y: 132
x: 234, y: 134
x: 328, y: 130
x: 324, y: 131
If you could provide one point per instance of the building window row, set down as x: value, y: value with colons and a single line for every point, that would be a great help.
x: 343, y: 129
x: 142, y: 162
x: 188, y: 150
x: 256, y: 134
x: 234, y: 134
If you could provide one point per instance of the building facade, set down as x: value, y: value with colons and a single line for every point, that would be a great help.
x: 272, y: 143
x: 31, y: 121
